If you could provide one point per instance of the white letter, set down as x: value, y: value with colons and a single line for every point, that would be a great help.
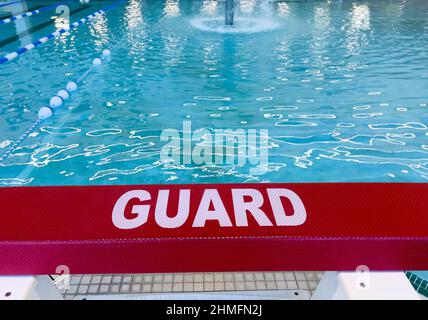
x: 187, y: 142
x: 170, y: 152
x: 202, y: 152
x: 241, y: 207
x: 142, y: 211
x: 219, y: 213
x: 299, y: 215
x: 180, y: 218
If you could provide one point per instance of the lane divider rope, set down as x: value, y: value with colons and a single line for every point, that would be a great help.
x: 13, y: 55
x: 16, y: 144
x: 55, y: 102
x: 31, y: 13
x: 58, y: 100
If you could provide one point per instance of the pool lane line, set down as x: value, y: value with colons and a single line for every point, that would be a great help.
x: 10, y: 3
x: 55, y: 102
x: 15, y: 54
x: 8, y: 15
x: 70, y: 87
x: 31, y: 13
x: 16, y: 144
x: 35, y: 28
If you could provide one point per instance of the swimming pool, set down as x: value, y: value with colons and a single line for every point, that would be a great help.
x: 419, y: 281
x: 341, y: 86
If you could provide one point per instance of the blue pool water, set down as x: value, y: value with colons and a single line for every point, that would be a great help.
x: 342, y: 87
x: 419, y: 280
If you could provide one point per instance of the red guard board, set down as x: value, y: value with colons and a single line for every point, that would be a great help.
x: 221, y: 227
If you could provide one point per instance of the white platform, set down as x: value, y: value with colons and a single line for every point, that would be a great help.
x: 333, y: 286
x: 365, y: 286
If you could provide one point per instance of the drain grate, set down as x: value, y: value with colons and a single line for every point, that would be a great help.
x: 114, y: 284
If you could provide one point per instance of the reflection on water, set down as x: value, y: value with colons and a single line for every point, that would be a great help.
x: 209, y: 6
x: 356, y: 31
x: 341, y: 86
x: 99, y: 30
x: 133, y: 14
x: 20, y: 26
x: 322, y: 18
x: 321, y: 34
x: 247, y: 6
x: 172, y: 8
x: 360, y: 19
x: 283, y: 9
x: 135, y: 32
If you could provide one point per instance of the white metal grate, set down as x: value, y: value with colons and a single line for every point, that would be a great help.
x: 190, y: 282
